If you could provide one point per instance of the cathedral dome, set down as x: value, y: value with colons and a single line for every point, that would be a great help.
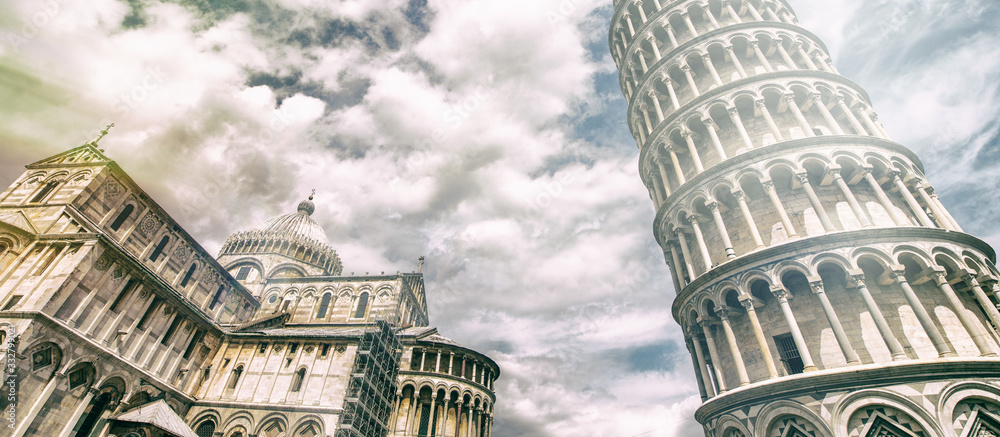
x: 291, y: 237
x: 298, y: 224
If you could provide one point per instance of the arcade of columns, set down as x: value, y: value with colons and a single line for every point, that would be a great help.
x: 783, y: 206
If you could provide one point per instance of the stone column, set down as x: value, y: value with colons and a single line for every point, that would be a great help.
x: 672, y: 91
x: 711, y: 17
x: 805, y: 57
x: 670, y: 34
x: 797, y: 112
x: 895, y: 349
x: 984, y: 301
x: 741, y: 369
x: 851, y: 200
x: 721, y: 226
x: 676, y: 258
x: 789, y: 62
x: 693, y: 150
x: 776, y: 202
x: 658, y: 194
x: 663, y: 175
x: 736, y: 62
x: 942, y: 219
x: 735, y: 115
x: 753, y: 11
x: 26, y: 419
x: 911, y: 201
x: 711, y: 128
x: 863, y: 111
x: 713, y: 353
x: 728, y: 5
x: 937, y: 274
x: 948, y: 216
x: 700, y: 239
x: 412, y: 413
x: 642, y: 15
x: 674, y: 272
x: 690, y: 25
x: 644, y: 109
x: 834, y: 125
x: 942, y: 347
x: 824, y: 219
x: 850, y: 115
x: 881, y: 128
x: 697, y: 374
x: 690, y: 78
x: 707, y: 59
x: 762, y: 107
x: 677, y: 165
x: 642, y: 61
x: 884, y: 199
x: 800, y: 342
x: 823, y: 65
x: 751, y: 224
x: 656, y: 105
x: 758, y: 333
x: 686, y: 252
x: 443, y: 430
x: 850, y: 355
x: 81, y: 406
x: 631, y: 28
x: 760, y: 56
x: 703, y: 366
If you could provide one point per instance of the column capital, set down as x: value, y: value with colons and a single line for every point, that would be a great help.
x: 803, y: 178
x: 686, y: 68
x: 754, y: 44
x: 816, y: 287
x: 726, y: 3
x: 651, y: 93
x: 781, y: 294
x: 723, y: 312
x: 706, y: 55
x: 747, y: 304
x: 873, y: 115
x: 839, y: 99
x: 709, y: 122
x: 693, y: 219
x: 760, y: 103
x: 712, y: 206
x: 768, y: 184
x: 729, y: 48
x: 797, y: 45
x: 740, y: 195
x: 687, y: 133
x: 817, y: 96
x: 733, y: 111
x: 706, y: 325
x: 789, y: 98
x: 685, y: 15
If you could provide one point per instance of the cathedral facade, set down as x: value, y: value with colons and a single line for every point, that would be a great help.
x: 117, y: 322
x: 823, y: 288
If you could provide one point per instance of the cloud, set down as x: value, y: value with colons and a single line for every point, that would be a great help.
x: 487, y: 135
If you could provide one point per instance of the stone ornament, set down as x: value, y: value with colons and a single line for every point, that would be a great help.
x: 103, y: 262
x: 149, y: 224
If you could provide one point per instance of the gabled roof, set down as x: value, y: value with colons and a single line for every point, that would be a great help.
x: 18, y: 220
x: 160, y: 415
x: 86, y: 154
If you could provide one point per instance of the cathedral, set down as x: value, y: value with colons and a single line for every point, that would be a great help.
x: 114, y: 321
x: 823, y: 288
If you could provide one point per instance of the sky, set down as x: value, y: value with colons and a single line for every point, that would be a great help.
x: 488, y: 136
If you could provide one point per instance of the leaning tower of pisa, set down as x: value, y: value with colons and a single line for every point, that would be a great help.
x: 822, y: 287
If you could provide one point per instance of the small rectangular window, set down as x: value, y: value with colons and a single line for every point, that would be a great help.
x: 13, y: 301
x: 293, y: 347
x: 263, y: 348
x: 194, y: 342
x: 149, y: 312
x: 170, y: 330
x: 243, y: 273
x: 130, y: 286
x: 217, y: 298
x: 324, y: 350
x: 789, y: 353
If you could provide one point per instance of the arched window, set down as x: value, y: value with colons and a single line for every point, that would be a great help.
x: 45, y: 191
x: 297, y: 380
x: 234, y: 378
x: 362, y: 306
x: 217, y: 299
x: 93, y: 413
x: 159, y: 248
x: 324, y: 305
x: 122, y: 216
x: 188, y: 275
x: 206, y: 429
